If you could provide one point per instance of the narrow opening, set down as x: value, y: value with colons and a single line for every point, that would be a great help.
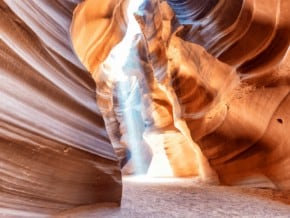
x: 279, y: 120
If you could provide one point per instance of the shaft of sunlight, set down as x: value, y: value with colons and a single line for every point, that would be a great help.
x: 127, y: 87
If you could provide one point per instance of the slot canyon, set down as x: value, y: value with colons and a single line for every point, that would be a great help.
x: 144, y: 108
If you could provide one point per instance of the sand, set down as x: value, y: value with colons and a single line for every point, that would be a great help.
x: 188, y: 198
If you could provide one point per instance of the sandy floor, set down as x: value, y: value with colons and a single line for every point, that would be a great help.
x: 189, y: 198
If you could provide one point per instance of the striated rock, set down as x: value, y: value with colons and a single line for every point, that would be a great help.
x: 183, y: 88
x: 54, y: 151
x: 212, y: 78
x: 254, y: 40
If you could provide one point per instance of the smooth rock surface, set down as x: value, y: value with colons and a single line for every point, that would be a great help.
x: 54, y: 151
x: 203, y: 84
x: 213, y: 75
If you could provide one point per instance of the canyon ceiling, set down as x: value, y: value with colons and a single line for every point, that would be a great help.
x: 196, y: 88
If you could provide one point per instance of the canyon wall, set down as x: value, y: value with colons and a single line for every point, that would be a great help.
x: 213, y: 80
x: 54, y: 151
x: 196, y: 88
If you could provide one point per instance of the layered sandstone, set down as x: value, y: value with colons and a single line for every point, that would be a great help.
x: 54, y: 151
x: 215, y: 74
x: 178, y: 88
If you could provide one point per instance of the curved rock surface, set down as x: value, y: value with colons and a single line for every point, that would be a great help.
x: 196, y: 88
x: 213, y: 78
x: 54, y: 151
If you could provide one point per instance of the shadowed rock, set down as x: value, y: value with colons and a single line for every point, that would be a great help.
x: 54, y: 151
x: 207, y: 83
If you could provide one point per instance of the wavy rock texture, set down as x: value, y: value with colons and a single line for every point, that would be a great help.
x: 54, y: 151
x: 251, y: 141
x: 213, y: 78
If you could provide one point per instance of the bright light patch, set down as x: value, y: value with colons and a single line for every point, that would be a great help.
x: 148, y: 179
x: 159, y: 166
x: 127, y: 87
x: 120, y: 53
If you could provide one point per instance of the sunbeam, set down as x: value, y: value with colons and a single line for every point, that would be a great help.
x: 127, y: 88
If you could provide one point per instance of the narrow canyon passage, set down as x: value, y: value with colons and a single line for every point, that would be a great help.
x: 193, y: 93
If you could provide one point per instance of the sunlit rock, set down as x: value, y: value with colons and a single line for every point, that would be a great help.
x: 177, y: 89
x: 213, y: 84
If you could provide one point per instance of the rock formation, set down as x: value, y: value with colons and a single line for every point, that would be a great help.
x: 183, y: 88
x: 213, y: 83
x: 54, y: 151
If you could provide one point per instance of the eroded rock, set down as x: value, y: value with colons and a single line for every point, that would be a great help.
x: 219, y: 72
x: 54, y: 151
